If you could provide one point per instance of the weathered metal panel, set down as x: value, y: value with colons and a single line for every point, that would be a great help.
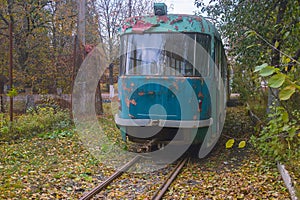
x: 169, y: 23
x: 180, y: 98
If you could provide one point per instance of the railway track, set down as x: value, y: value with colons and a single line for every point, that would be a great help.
x: 171, y: 177
x: 114, y: 176
x: 159, y: 192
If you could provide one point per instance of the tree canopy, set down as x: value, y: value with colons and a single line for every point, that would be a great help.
x: 44, y: 33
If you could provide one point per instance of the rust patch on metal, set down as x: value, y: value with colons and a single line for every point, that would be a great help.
x: 125, y: 27
x: 127, y: 102
x: 151, y: 92
x: 199, y: 19
x: 178, y: 19
x: 133, y: 102
x: 175, y: 85
x: 195, y: 117
x: 163, y: 19
x: 132, y: 84
x: 141, y: 93
x: 200, y: 95
x: 141, y: 26
x: 126, y: 89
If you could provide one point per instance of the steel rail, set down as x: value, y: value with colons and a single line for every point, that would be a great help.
x: 115, y: 175
x: 171, y: 177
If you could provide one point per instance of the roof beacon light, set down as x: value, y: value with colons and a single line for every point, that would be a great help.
x: 160, y: 9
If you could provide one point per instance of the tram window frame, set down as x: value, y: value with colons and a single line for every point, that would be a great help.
x: 173, y: 61
x: 220, y: 57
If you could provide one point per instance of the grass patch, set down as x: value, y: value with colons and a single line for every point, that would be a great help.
x: 36, y: 122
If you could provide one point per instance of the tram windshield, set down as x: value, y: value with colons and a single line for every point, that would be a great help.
x: 165, y: 54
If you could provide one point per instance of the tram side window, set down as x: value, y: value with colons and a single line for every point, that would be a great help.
x: 224, y: 66
x: 202, y: 46
x: 220, y: 58
x: 217, y: 54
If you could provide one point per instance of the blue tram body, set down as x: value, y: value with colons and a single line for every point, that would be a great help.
x: 170, y: 69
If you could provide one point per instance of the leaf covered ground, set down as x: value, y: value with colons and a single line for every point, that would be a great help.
x: 59, y: 167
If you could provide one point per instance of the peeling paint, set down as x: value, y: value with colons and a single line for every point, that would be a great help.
x: 163, y: 19
x: 169, y: 23
x: 200, y: 95
x: 148, y: 93
x: 133, y: 102
x: 142, y: 26
x: 175, y: 85
x: 141, y: 93
x: 179, y: 19
x: 127, y: 89
x: 127, y: 101
x: 199, y: 19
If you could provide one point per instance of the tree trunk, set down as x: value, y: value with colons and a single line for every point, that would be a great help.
x: 275, y: 61
x: 98, y: 100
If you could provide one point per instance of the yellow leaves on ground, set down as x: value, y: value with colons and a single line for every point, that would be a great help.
x: 242, y: 144
x: 230, y: 143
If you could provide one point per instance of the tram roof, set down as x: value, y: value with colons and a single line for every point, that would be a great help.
x: 169, y: 23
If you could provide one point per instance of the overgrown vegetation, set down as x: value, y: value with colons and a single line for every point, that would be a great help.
x: 279, y: 139
x: 262, y: 40
x: 38, y: 121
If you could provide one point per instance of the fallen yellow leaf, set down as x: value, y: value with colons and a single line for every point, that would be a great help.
x: 242, y: 144
x: 229, y: 143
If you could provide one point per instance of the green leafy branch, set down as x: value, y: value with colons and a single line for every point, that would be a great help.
x: 277, y: 79
x: 12, y: 93
x: 252, y: 33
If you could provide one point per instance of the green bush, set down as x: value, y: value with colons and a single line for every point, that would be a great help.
x: 279, y: 140
x: 36, y: 121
